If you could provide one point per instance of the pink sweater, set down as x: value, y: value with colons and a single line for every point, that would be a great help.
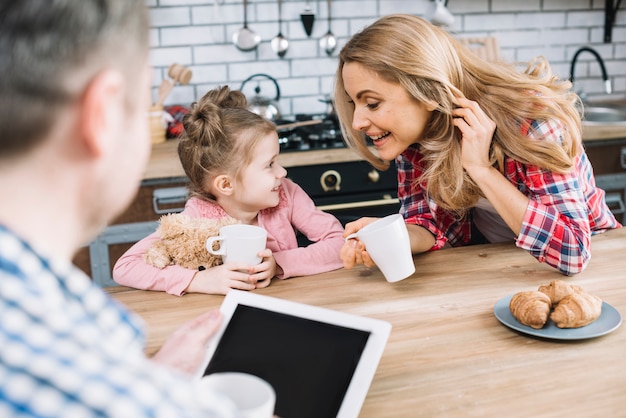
x: 295, y: 211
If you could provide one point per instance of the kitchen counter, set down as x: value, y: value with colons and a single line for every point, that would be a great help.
x: 592, y: 134
x: 164, y: 161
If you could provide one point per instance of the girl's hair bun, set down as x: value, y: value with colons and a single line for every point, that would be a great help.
x: 228, y: 99
x: 204, y: 123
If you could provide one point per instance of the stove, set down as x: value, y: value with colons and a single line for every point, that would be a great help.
x: 348, y: 190
x: 324, y: 133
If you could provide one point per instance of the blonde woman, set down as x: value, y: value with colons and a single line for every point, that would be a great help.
x: 485, y: 152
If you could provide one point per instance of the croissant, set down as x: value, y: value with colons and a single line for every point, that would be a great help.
x: 531, y: 308
x: 577, y: 310
x: 558, y: 289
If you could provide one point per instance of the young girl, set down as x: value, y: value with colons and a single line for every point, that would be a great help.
x: 485, y: 153
x: 229, y: 155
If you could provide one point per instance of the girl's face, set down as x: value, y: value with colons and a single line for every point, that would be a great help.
x: 384, y: 111
x: 261, y: 180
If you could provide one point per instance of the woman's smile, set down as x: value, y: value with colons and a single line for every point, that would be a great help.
x: 379, y: 141
x: 377, y: 138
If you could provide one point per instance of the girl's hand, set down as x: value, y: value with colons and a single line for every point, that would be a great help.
x: 262, y: 273
x: 476, y: 134
x: 353, y: 251
x: 220, y: 279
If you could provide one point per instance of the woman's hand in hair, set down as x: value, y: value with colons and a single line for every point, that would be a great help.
x: 476, y: 130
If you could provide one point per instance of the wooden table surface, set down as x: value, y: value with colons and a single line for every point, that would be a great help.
x: 448, y: 355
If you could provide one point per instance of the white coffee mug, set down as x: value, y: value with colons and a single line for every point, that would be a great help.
x: 387, y: 242
x: 239, y: 243
x: 439, y: 14
x: 252, y: 396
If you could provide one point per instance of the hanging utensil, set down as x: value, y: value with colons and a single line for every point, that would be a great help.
x: 328, y: 42
x: 308, y: 19
x: 280, y: 43
x: 246, y: 39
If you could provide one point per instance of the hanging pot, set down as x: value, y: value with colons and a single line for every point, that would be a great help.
x: 262, y: 105
x: 246, y: 39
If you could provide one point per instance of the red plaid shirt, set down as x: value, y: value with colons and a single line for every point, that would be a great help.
x: 563, y: 211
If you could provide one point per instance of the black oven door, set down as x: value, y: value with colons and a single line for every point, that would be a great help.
x: 375, y: 206
x: 349, y: 190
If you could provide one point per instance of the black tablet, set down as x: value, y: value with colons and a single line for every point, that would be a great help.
x: 319, y: 361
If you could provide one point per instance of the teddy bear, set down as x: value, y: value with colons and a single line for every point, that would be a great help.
x: 182, y: 241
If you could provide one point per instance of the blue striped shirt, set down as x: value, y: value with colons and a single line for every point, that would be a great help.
x: 68, y: 350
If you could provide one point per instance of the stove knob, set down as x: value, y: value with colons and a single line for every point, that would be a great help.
x: 374, y: 176
x: 330, y: 180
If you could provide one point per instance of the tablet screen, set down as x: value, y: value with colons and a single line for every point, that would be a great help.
x: 309, y: 363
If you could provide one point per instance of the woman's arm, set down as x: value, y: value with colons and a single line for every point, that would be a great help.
x: 550, y: 218
x: 422, y: 239
x: 425, y: 232
x: 476, y: 136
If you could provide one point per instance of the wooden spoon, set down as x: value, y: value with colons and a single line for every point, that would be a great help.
x: 179, y: 74
x: 164, y: 89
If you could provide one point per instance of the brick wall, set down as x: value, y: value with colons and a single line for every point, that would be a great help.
x: 199, y: 34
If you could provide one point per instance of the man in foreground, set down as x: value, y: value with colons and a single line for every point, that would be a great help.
x: 73, y: 145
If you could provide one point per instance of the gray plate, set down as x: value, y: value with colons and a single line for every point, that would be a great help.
x: 609, y: 320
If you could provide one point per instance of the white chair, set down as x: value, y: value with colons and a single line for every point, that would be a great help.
x: 167, y: 200
x: 114, y: 234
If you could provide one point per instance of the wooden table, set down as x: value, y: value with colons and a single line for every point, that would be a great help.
x: 447, y: 354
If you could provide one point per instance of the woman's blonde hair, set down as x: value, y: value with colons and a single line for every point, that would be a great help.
x: 433, y: 67
x: 219, y: 138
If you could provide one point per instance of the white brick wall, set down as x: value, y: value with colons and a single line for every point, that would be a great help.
x: 198, y: 33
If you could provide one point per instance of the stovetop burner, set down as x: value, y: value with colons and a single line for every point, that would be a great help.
x: 323, y: 135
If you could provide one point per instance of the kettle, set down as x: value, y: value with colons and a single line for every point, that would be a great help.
x: 261, y: 105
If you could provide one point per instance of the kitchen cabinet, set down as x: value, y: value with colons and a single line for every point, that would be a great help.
x: 608, y: 158
x: 605, y: 145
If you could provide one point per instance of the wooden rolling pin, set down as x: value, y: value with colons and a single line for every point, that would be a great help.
x: 288, y: 126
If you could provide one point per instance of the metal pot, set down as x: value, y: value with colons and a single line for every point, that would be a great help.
x: 246, y: 39
x: 262, y: 105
